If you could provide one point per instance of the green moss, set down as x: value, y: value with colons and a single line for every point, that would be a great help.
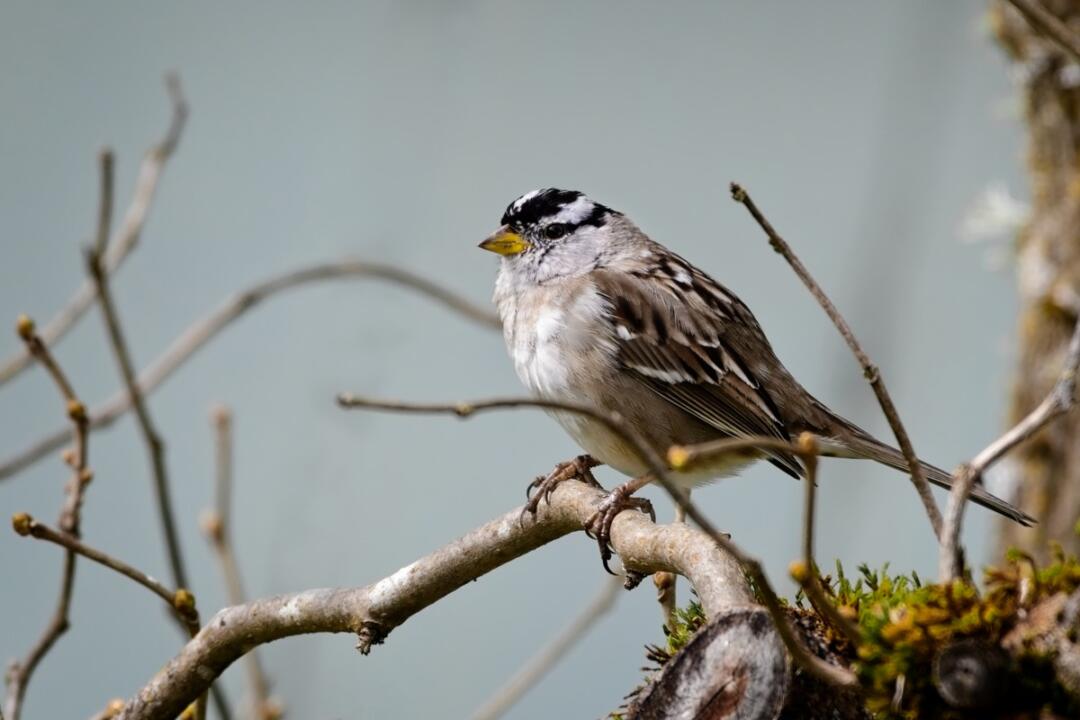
x: 903, y: 623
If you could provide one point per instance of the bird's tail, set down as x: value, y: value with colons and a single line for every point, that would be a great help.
x: 862, y: 445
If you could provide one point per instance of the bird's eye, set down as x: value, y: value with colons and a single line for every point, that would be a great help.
x: 554, y: 231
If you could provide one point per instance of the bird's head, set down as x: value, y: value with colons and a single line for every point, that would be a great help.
x: 551, y: 233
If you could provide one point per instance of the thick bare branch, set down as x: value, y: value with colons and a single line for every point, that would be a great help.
x: 677, y: 458
x: 1060, y: 400
x: 870, y: 371
x: 373, y: 611
x: 203, y: 330
x: 150, y: 172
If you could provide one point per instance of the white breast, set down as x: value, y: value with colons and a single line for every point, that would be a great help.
x: 553, y: 333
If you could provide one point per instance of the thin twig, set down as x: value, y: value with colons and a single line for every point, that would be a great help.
x: 1045, y: 22
x: 26, y: 525
x: 105, y: 201
x: 204, y: 329
x: 539, y: 665
x: 659, y: 470
x: 870, y: 371
x: 150, y: 172
x: 217, y: 525
x: 1059, y: 401
x: 806, y: 572
x: 154, y: 444
x: 19, y: 674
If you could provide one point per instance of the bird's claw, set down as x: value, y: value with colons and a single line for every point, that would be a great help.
x: 579, y: 468
x: 599, y: 525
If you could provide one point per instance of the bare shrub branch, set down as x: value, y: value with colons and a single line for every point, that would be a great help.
x: 658, y: 468
x: 371, y: 612
x: 180, y: 601
x: 203, y: 330
x: 20, y: 672
x: 870, y: 371
x: 1060, y: 400
x: 217, y: 525
x: 150, y: 172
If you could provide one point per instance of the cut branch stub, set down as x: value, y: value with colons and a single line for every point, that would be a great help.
x: 734, y: 668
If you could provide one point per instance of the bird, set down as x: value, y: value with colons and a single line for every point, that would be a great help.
x: 594, y: 311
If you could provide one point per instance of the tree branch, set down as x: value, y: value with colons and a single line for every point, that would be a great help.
x: 181, y: 602
x: 373, y: 611
x: 154, y: 444
x: 870, y: 371
x: 659, y: 470
x: 1059, y: 401
x: 19, y: 674
x: 150, y: 172
x: 217, y: 525
x: 203, y: 330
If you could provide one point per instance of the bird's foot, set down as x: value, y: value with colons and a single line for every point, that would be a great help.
x: 599, y: 525
x: 580, y: 468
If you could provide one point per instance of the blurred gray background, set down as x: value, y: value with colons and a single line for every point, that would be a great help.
x: 399, y: 131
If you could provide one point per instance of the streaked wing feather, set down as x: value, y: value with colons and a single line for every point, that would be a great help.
x: 673, y: 338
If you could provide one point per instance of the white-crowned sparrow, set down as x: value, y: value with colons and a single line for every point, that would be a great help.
x: 596, y: 312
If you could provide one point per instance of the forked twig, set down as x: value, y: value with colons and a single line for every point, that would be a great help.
x: 19, y: 674
x: 1060, y: 400
x: 150, y: 172
x: 870, y: 371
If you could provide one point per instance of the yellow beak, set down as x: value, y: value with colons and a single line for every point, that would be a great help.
x: 506, y: 242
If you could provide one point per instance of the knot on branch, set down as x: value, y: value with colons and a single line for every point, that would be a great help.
x: 371, y: 633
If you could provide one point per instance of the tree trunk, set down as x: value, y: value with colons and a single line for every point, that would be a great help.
x: 1048, y: 268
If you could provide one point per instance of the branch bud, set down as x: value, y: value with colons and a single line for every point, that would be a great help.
x: 799, y: 572
x: 22, y: 523
x: 25, y: 327
x: 678, y: 457
x: 76, y: 411
x: 184, y: 602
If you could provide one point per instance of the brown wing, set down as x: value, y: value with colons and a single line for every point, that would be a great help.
x: 693, y: 343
